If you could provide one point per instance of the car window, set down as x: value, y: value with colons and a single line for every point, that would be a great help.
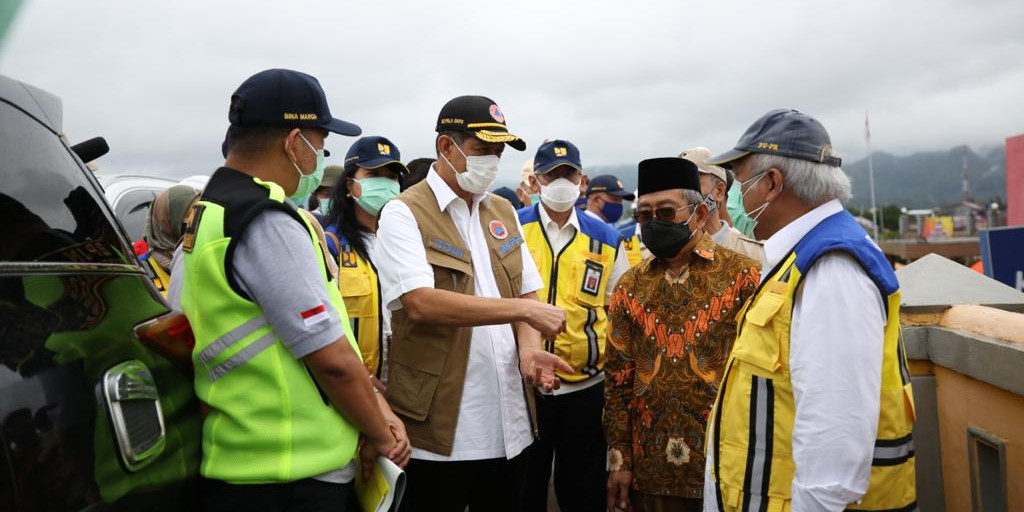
x: 132, y: 209
x: 49, y: 208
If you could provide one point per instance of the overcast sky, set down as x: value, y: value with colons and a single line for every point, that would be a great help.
x: 623, y: 80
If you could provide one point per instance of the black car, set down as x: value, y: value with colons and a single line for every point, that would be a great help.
x: 97, y: 410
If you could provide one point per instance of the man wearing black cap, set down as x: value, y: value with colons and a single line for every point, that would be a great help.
x: 815, y: 408
x: 466, y: 321
x: 580, y: 259
x: 672, y: 327
x: 275, y: 359
x: 604, y: 198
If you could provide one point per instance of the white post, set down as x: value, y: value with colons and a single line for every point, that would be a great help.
x: 871, y: 176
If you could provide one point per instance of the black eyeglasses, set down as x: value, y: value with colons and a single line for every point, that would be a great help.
x: 665, y: 213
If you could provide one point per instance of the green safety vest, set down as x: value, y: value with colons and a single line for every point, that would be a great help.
x: 268, y: 421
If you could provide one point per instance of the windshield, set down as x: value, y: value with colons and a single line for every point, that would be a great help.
x: 49, y: 209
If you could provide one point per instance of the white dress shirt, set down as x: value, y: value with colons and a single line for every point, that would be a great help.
x: 559, y: 237
x: 493, y: 419
x: 836, y: 339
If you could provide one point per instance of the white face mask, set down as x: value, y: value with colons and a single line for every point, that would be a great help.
x: 480, y: 171
x: 560, y: 195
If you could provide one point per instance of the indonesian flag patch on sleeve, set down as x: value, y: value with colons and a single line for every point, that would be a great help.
x: 314, y: 315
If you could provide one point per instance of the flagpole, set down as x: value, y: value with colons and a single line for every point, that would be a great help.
x: 871, y: 175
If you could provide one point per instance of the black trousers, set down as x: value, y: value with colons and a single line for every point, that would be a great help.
x: 482, y: 485
x: 571, y: 431
x: 301, y: 496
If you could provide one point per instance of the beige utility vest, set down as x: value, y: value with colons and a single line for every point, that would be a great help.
x: 427, y: 362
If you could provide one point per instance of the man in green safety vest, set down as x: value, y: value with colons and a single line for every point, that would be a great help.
x: 275, y: 359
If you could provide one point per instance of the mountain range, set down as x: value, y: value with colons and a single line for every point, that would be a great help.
x: 919, y: 180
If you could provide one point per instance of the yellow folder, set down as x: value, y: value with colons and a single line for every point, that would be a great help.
x: 383, y: 491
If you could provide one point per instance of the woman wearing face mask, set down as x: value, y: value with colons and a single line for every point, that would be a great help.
x: 371, y: 177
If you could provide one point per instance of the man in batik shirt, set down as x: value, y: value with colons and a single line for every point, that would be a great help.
x: 672, y: 326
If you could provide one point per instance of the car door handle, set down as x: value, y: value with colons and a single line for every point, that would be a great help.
x: 129, y: 394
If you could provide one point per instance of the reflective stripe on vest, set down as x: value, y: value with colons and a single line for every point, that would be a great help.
x: 752, y: 420
x: 267, y: 421
x: 230, y: 338
x: 576, y: 280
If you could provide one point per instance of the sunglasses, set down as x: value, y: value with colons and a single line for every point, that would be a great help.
x: 665, y: 213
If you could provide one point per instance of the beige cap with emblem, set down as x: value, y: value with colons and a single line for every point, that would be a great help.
x: 700, y: 155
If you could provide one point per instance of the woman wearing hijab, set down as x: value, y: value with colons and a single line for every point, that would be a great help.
x: 164, y: 229
x: 372, y: 176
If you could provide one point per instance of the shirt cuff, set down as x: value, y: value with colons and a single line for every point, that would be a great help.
x: 822, y: 498
x: 393, y: 294
x: 620, y: 458
x: 311, y: 342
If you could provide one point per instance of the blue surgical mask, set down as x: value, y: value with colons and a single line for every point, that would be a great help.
x: 534, y: 199
x: 308, y: 183
x: 612, y: 211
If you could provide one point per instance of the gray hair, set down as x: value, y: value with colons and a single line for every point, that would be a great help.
x: 692, y: 197
x: 813, y: 183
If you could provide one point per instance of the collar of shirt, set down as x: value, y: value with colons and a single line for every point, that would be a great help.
x: 594, y: 215
x: 723, y: 231
x: 550, y: 225
x: 444, y: 194
x: 783, y: 241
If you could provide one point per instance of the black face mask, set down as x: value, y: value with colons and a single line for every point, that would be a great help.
x: 665, y: 239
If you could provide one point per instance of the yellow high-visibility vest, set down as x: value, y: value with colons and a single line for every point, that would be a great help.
x: 752, y: 421
x: 575, y: 279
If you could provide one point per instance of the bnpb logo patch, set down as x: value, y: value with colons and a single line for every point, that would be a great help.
x: 497, y: 229
x: 383, y: 149
x: 496, y: 114
x: 559, y: 152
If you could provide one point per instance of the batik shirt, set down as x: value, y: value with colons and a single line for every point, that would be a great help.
x: 670, y: 337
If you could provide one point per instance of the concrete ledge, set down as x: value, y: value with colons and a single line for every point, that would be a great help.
x: 985, y: 321
x: 915, y: 342
x: 996, y: 362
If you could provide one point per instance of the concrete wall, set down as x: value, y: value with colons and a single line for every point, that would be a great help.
x: 967, y: 365
x: 963, y: 402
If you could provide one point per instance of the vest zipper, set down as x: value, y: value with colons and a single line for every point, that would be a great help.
x: 553, y: 279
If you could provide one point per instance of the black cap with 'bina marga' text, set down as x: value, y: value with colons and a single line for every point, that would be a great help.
x: 286, y: 98
x: 478, y: 116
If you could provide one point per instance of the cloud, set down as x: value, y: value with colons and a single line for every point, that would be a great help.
x: 625, y: 81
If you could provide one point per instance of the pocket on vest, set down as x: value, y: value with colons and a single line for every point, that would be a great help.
x: 758, y: 342
x: 411, y: 390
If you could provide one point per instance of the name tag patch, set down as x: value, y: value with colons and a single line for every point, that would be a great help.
x: 447, y: 248
x: 592, y: 278
x: 509, y: 246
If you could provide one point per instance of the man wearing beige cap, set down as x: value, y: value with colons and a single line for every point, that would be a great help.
x: 714, y: 186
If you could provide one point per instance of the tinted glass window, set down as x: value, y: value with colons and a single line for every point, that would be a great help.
x: 49, y: 210
x: 132, y: 209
